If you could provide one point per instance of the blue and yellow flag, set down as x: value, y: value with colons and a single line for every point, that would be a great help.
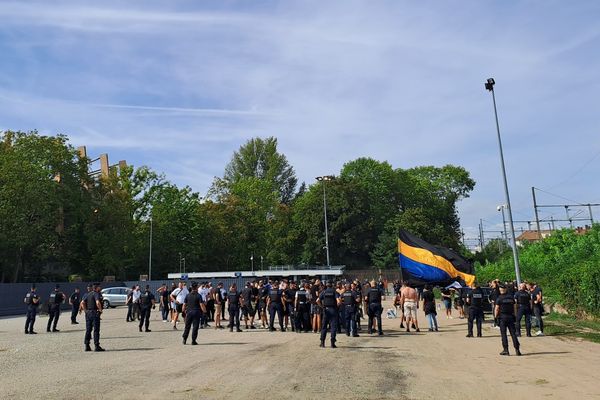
x: 425, y: 263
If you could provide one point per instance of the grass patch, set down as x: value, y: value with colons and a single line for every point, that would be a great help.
x: 570, y: 327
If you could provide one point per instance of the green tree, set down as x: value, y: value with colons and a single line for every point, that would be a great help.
x: 259, y: 158
x: 41, y: 180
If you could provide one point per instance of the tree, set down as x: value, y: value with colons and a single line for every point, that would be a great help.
x: 258, y: 158
x: 41, y: 179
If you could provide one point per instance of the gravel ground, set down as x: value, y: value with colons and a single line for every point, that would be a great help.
x: 287, y: 365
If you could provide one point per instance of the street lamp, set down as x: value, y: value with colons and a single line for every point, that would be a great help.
x: 489, y: 85
x: 501, y: 207
x: 324, y: 179
x: 150, y: 252
x: 252, y: 261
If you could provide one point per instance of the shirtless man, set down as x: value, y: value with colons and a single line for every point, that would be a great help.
x: 409, y: 301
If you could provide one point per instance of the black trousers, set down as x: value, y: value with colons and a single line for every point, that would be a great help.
x: 145, y: 316
x: 74, y: 311
x: 165, y: 311
x: 234, y: 317
x: 275, y: 308
x: 31, y: 313
x: 192, y: 320
x: 302, y: 318
x: 92, y: 322
x: 330, y: 317
x: 475, y: 314
x: 53, y: 314
x: 524, y: 312
x: 537, y: 310
x: 129, y: 312
x: 349, y: 315
x: 375, y: 311
x: 507, y: 322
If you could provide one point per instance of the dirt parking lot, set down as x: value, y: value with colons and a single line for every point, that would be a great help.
x: 259, y: 364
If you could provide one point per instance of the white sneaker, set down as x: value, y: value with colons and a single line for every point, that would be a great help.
x: 539, y: 333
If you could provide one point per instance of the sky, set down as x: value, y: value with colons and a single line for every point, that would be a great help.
x: 179, y: 86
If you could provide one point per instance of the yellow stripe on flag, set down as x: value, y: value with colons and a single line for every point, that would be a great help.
x: 426, y: 257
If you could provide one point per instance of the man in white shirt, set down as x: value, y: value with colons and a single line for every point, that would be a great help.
x: 204, y: 293
x: 178, y: 296
x: 137, y: 293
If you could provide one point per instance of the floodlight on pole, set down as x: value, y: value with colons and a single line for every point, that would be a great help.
x: 489, y: 85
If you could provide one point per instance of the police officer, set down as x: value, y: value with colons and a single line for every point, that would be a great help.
x: 74, y: 301
x: 349, y: 301
x: 147, y: 303
x: 373, y: 299
x: 524, y: 306
x: 475, y: 304
x: 302, y: 306
x: 33, y: 301
x: 54, y: 301
x: 329, y: 299
x: 247, y: 310
x: 193, y: 307
x: 92, y: 305
x: 289, y: 296
x: 233, y: 306
x: 275, y: 305
x: 504, y: 311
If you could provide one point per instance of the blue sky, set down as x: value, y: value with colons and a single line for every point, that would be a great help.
x: 179, y: 86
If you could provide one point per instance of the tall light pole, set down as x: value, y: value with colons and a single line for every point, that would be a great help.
x: 489, y: 85
x: 323, y: 179
x: 150, y: 254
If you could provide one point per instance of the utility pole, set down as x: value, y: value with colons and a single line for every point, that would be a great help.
x: 591, y: 216
x: 537, y: 218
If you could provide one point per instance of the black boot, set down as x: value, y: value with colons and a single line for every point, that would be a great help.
x: 333, y: 346
x: 505, y: 353
x: 98, y: 348
x: 88, y: 348
x: 322, y: 343
x: 518, y: 352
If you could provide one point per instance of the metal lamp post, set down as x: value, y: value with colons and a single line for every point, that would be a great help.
x: 150, y: 252
x: 489, y: 85
x: 323, y: 179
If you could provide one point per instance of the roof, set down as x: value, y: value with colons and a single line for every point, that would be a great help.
x: 257, y: 274
x: 532, y: 236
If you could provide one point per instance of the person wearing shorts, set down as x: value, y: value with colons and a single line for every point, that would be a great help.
x: 409, y: 300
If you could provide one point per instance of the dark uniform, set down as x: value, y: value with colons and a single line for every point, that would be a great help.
x: 146, y: 304
x: 275, y: 307
x: 75, y: 301
x: 32, y: 301
x: 247, y: 310
x: 233, y: 297
x: 302, y: 311
x: 475, y: 303
x: 290, y: 295
x: 349, y: 300
x: 92, y: 319
x: 54, y: 301
x: 374, y: 308
x: 523, y: 298
x: 193, y: 313
x: 506, y: 320
x: 328, y: 300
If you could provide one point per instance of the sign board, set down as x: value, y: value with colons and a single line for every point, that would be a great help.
x: 238, y: 274
x: 184, y: 277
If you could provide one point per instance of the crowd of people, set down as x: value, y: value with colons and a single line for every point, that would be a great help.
x: 302, y: 307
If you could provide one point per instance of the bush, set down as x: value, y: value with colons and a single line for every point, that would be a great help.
x: 565, y: 265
